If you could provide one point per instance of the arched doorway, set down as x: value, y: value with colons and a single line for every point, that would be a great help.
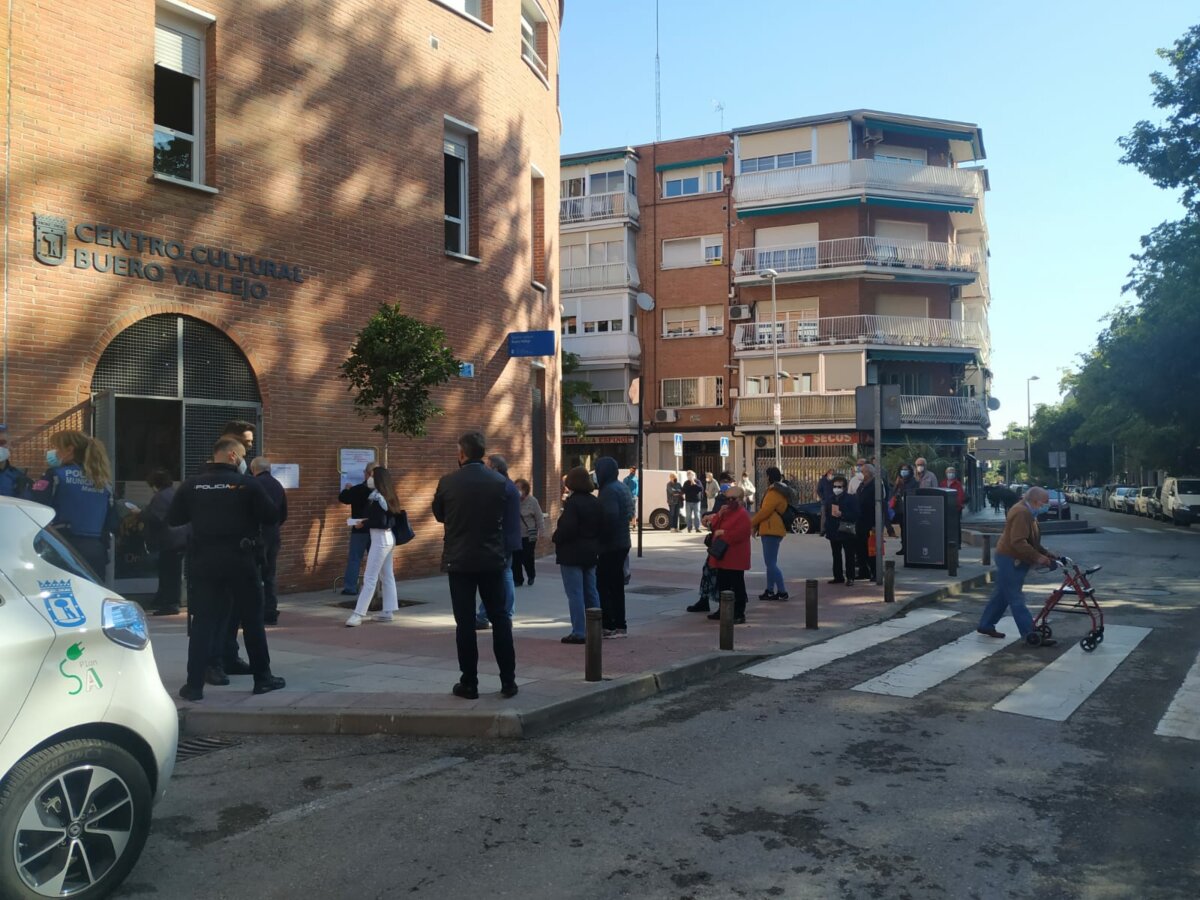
x: 161, y: 392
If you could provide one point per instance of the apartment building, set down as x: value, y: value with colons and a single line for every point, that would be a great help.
x: 853, y: 246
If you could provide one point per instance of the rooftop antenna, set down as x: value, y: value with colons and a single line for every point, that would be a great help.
x: 657, y: 81
x: 719, y: 107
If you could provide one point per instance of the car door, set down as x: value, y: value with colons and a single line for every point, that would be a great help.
x: 25, y: 639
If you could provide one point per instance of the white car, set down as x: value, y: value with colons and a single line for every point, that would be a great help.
x: 87, y: 731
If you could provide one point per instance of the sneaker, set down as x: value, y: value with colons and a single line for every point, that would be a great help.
x: 699, y: 606
x: 264, y: 684
x: 215, y: 675
x: 354, y: 621
x: 849, y: 582
x: 990, y: 632
x: 614, y: 633
x: 782, y: 595
x: 236, y: 666
x: 739, y: 620
x: 466, y: 691
x: 768, y: 595
x: 382, y: 617
x: 194, y: 694
x: 509, y: 690
x: 482, y: 624
x: 574, y: 639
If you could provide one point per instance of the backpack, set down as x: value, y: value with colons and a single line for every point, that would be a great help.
x: 790, y: 512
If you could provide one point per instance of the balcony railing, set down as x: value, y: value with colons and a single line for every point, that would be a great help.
x: 811, y: 258
x: 904, y: 331
x: 594, y: 207
x: 598, y: 277
x: 609, y: 345
x: 838, y: 409
x: 856, y: 176
x: 607, y: 415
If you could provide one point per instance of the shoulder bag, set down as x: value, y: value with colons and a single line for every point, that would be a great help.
x: 401, y: 530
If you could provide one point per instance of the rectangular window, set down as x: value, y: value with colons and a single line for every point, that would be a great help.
x: 472, y: 8
x: 570, y: 325
x: 533, y: 37
x: 610, y: 396
x: 686, y: 182
x: 607, y: 182
x: 778, y: 161
x: 694, y: 321
x: 179, y: 50
x: 684, y: 392
x: 537, y: 228
x: 679, y: 253
x: 571, y: 187
x: 456, y: 188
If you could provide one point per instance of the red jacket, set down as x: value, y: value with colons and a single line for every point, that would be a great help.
x: 736, y: 523
x: 958, y: 488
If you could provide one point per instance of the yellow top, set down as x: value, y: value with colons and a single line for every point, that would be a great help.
x: 768, y: 519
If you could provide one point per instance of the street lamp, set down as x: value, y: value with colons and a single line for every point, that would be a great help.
x: 1029, y: 427
x: 778, y: 410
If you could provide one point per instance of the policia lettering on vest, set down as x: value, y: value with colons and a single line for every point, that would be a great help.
x: 78, y: 484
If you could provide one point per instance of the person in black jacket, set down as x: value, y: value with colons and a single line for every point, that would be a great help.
x: 617, y: 505
x: 865, y: 496
x: 261, y: 469
x: 170, y: 543
x: 470, y: 504
x: 840, y: 507
x: 356, y: 497
x: 577, y: 548
x: 226, y: 508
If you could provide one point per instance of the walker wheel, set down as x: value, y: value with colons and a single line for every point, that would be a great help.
x: 1088, y: 643
x: 1034, y: 638
x: 1045, y: 632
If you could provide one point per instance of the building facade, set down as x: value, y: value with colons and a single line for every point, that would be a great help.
x: 203, y: 215
x: 852, y: 248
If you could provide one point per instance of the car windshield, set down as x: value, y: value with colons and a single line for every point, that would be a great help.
x: 50, y: 546
x: 1055, y: 495
x: 1189, y: 485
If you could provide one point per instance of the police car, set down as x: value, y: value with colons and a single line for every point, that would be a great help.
x: 87, y: 730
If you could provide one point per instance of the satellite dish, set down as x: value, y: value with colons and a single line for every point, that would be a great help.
x: 645, y: 302
x: 993, y: 404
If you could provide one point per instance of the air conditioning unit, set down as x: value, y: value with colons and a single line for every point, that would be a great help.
x: 739, y: 313
x: 874, y: 135
x: 666, y: 415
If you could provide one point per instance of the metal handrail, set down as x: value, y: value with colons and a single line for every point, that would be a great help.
x: 857, y: 251
x: 905, y: 331
x: 838, y: 409
x: 918, y: 409
x: 599, y: 415
x: 857, y: 175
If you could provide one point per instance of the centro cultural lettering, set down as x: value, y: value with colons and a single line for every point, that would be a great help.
x: 244, y: 270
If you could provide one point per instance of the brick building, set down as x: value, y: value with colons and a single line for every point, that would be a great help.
x: 870, y: 226
x: 206, y: 202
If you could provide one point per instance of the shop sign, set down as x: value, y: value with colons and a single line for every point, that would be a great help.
x: 599, y: 439
x: 156, y: 259
x: 819, y: 439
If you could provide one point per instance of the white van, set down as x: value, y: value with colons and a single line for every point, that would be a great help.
x: 1181, y: 499
x: 652, y: 484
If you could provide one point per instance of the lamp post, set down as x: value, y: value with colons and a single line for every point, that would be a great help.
x: 777, y: 412
x: 1029, y: 427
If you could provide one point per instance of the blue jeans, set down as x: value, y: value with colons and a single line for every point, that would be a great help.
x: 510, y: 594
x: 770, y: 547
x: 1010, y: 579
x: 580, y: 585
x: 360, y: 543
x: 693, y: 515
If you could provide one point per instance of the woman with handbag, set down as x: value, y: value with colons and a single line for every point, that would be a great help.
x: 841, y: 529
x: 383, y: 506
x: 729, y: 551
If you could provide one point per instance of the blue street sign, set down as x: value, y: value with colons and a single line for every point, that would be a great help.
x: 679, y: 445
x: 531, y: 343
x: 725, y: 447
x: 466, y: 370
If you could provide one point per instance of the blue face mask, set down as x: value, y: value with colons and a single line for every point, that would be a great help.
x: 52, y: 458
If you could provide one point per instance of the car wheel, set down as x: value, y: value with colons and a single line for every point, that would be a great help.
x: 660, y: 519
x: 73, y: 820
x: 801, y: 525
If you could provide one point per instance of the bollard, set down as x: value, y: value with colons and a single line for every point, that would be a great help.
x: 987, y: 549
x: 810, y: 604
x: 889, y: 581
x: 952, y: 559
x: 726, y: 620
x: 594, y: 639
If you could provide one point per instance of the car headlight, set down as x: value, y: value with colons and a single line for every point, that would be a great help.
x: 124, y: 623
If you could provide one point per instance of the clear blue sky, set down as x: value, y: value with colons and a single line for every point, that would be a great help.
x: 1053, y: 85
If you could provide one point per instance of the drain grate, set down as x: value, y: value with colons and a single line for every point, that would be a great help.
x: 193, y: 747
x: 656, y: 590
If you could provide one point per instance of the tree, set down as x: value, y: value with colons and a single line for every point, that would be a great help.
x: 394, y: 363
x: 573, y: 389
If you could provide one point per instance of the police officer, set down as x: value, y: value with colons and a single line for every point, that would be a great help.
x: 13, y: 482
x: 78, y: 484
x: 226, y: 508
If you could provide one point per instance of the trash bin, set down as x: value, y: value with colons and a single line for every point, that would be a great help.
x: 931, y: 526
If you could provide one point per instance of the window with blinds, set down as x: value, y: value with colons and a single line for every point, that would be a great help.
x: 684, y: 392
x: 178, y: 98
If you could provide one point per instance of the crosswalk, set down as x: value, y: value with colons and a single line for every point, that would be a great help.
x: 1114, y: 529
x: 1054, y: 693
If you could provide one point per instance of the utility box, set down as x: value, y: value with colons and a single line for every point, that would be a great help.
x: 931, y: 526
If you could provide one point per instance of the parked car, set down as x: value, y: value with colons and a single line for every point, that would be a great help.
x: 1154, y: 504
x: 1181, y: 499
x: 1144, y: 497
x: 87, y: 731
x: 1116, y: 498
x: 1094, y: 495
x: 1129, y: 501
x: 1057, y: 507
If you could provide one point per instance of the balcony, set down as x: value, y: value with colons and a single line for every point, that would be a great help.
x: 891, y: 331
x: 893, y: 259
x: 858, y: 177
x: 604, y: 276
x: 607, y: 347
x: 838, y: 410
x: 607, y: 415
x: 597, y: 208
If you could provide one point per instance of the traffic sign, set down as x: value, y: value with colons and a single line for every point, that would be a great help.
x: 725, y: 447
x: 678, y: 445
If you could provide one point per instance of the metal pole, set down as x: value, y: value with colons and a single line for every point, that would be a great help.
x: 777, y: 412
x: 726, y: 607
x: 987, y: 549
x: 880, y: 520
x: 889, y: 581
x: 952, y: 559
x: 641, y: 456
x: 593, y: 641
x: 810, y: 604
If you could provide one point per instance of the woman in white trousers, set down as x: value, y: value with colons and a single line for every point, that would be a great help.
x: 382, y: 506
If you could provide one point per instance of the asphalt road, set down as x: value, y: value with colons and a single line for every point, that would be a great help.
x: 749, y: 787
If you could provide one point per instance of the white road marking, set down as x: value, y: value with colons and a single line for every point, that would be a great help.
x: 1060, y: 688
x: 1113, y: 530
x: 1182, y: 718
x: 784, y: 667
x: 1150, y: 530
x: 931, y: 669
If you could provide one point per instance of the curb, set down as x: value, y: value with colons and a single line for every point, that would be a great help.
x: 509, y: 723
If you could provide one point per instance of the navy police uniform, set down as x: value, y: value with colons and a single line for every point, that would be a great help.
x: 13, y: 482
x: 227, y: 511
x: 82, y: 512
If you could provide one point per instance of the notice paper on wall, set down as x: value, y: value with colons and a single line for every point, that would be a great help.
x: 287, y: 474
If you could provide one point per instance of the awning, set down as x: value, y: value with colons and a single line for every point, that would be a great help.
x: 855, y: 201
x: 921, y: 204
x: 971, y: 137
x: 798, y: 207
x: 689, y: 163
x: 933, y: 354
x: 600, y: 157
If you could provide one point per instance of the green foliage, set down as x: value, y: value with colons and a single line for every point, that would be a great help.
x: 936, y: 460
x: 395, y: 361
x: 573, y: 389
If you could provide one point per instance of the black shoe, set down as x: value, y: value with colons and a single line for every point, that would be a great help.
x: 237, y: 666
x: 467, y: 692
x: 271, y: 620
x: 264, y: 684
x: 194, y: 694
x: 574, y: 639
x: 531, y: 577
x: 836, y: 581
x: 349, y: 593
x: 768, y: 595
x: 509, y: 690
x: 215, y: 675
x: 482, y: 624
x: 782, y: 595
x: 629, y: 579
x: 849, y: 582
x: 699, y: 606
x: 715, y: 615
x: 166, y: 611
x: 739, y: 620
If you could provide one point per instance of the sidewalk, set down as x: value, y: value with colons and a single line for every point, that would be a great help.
x: 396, y: 677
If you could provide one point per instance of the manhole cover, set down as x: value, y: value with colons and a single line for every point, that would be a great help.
x: 376, y: 603
x: 193, y: 747
x: 656, y: 590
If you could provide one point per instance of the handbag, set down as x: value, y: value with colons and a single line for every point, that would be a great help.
x: 847, y: 529
x: 401, y: 530
x: 718, y: 548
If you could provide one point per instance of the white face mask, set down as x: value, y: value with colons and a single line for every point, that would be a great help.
x: 4, y: 454
x: 837, y: 491
x: 920, y: 468
x: 371, y: 482
x: 241, y: 466
x: 950, y: 476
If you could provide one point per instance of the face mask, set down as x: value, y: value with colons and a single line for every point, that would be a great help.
x: 4, y: 453
x: 371, y: 483
x: 920, y: 468
x: 950, y: 476
x: 52, y: 458
x: 837, y: 491
x: 904, y: 473
x: 240, y: 465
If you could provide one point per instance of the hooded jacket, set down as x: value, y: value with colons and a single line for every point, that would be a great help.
x: 616, y: 504
x: 769, y: 517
